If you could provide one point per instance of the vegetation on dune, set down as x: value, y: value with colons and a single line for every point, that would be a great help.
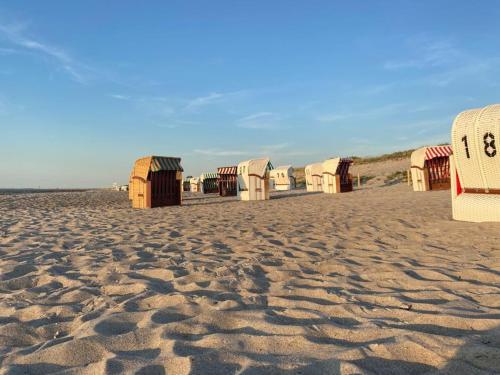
x: 396, y: 177
x: 365, y: 179
x: 393, y: 178
x: 384, y: 157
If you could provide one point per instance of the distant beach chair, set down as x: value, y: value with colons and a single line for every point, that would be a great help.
x: 195, y: 185
x: 336, y: 177
x: 227, y: 181
x: 209, y: 183
x: 186, y: 186
x: 253, y: 179
x: 314, y: 177
x: 430, y: 168
x: 155, y: 181
x: 475, y: 165
x: 282, y: 178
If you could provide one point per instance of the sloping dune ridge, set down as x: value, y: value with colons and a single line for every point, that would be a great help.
x: 378, y: 281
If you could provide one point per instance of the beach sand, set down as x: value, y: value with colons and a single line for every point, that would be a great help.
x: 378, y: 281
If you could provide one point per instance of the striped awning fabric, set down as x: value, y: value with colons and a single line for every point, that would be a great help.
x: 227, y: 170
x: 437, y: 151
x: 162, y: 163
x: 206, y: 176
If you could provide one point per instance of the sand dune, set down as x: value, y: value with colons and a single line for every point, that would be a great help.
x: 378, y: 281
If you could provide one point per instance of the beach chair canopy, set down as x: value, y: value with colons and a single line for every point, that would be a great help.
x: 253, y: 179
x: 315, y: 169
x: 207, y: 176
x: 143, y: 166
x: 421, y: 155
x: 336, y: 165
x: 255, y: 167
x: 227, y: 170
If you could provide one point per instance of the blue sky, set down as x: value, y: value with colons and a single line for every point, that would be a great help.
x: 86, y: 87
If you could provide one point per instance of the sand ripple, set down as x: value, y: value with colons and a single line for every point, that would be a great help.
x: 380, y: 281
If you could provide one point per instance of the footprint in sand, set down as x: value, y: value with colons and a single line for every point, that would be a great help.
x: 114, y: 326
x: 165, y: 317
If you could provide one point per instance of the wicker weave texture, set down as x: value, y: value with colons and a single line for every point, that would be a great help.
x: 253, y: 179
x: 475, y: 165
x: 314, y: 175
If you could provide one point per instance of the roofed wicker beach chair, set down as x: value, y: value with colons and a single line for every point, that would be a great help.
x: 253, y: 179
x: 209, y: 183
x: 228, y: 181
x: 186, y: 184
x: 336, y: 177
x: 194, y: 185
x: 156, y: 181
x: 282, y: 178
x: 314, y: 177
x: 475, y: 165
x: 430, y: 168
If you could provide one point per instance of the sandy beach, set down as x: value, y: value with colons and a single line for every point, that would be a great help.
x: 378, y: 281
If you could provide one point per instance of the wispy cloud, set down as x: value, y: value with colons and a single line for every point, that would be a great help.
x: 275, y: 147
x: 471, y: 68
x: 259, y: 120
x: 426, y: 52
x: 255, y: 116
x: 373, y: 112
x: 17, y: 35
x: 444, y: 60
x: 273, y: 150
x: 172, y: 124
x: 120, y: 97
x: 7, y: 51
x: 204, y: 100
x: 426, y: 125
x: 179, y: 109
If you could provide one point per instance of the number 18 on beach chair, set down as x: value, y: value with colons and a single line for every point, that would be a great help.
x: 475, y: 165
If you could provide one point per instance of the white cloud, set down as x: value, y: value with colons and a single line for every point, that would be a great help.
x: 204, y: 100
x: 426, y: 52
x: 275, y: 147
x: 120, y: 97
x: 7, y: 51
x: 373, y: 112
x: 16, y: 34
x: 471, y: 68
x: 259, y: 120
x: 447, y: 62
x: 255, y: 116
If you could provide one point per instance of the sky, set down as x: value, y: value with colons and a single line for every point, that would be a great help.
x: 87, y: 87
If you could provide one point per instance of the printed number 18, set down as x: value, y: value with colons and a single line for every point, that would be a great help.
x: 490, y: 149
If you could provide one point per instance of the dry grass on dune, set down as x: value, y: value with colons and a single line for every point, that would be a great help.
x: 378, y: 281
